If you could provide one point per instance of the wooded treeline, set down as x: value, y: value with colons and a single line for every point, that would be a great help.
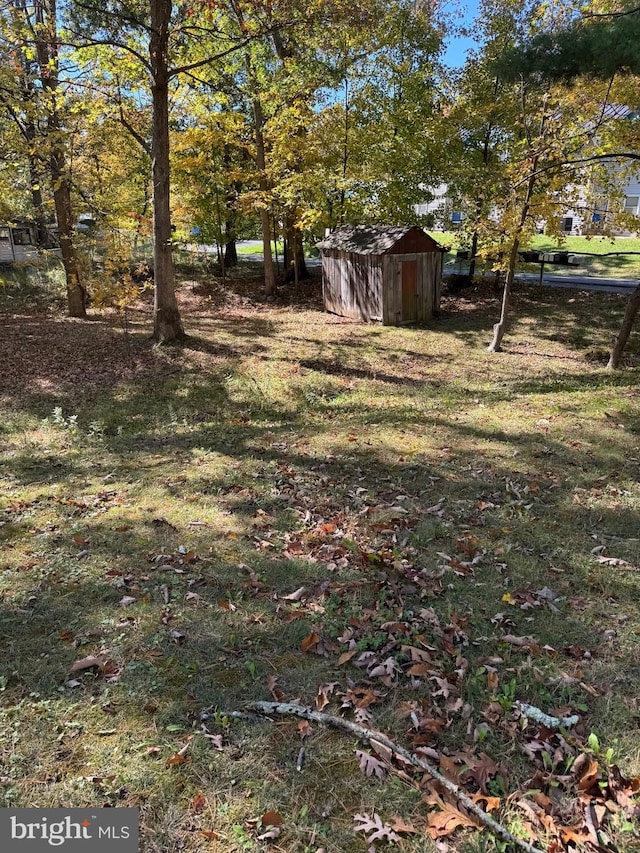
x: 280, y: 118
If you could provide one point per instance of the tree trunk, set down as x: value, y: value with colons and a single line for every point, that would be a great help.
x: 294, y: 263
x: 269, y: 274
x: 76, y: 294
x: 472, y: 255
x: 501, y: 326
x: 167, y: 325
x: 630, y: 314
x: 46, y: 46
x: 231, y: 214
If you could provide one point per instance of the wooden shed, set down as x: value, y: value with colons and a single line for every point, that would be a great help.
x: 373, y: 272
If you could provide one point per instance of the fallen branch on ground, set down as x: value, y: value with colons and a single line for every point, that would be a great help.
x: 295, y: 710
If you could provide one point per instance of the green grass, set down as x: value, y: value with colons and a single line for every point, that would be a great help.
x: 592, y: 262
x: 255, y: 248
x: 282, y: 448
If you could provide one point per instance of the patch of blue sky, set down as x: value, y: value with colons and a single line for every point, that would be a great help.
x: 458, y: 42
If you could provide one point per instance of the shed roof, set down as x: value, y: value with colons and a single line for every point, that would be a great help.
x: 375, y: 239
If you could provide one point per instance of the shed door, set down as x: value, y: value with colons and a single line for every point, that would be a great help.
x: 409, y: 291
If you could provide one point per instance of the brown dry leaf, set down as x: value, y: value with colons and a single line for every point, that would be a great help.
x: 621, y: 788
x: 420, y: 670
x: 382, y: 750
x: 79, y: 540
x: 86, y: 663
x: 304, y: 728
x: 492, y: 680
x: 574, y: 834
x: 309, y: 642
x: 322, y: 696
x: 417, y: 655
x: 176, y: 758
x: 490, y: 803
x: 346, y: 656
x: 375, y: 829
x: 271, y: 819
x: 210, y: 835
x: 399, y: 824
x: 226, y: 605
x: 530, y: 644
x: 589, y: 775
x: 447, y: 820
x: 370, y: 765
x: 271, y: 686
x: 198, y: 803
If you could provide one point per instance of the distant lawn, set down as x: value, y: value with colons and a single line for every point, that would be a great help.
x: 592, y: 263
x: 255, y: 248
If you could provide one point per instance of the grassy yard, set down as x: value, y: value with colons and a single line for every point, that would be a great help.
x: 389, y: 524
x: 592, y: 263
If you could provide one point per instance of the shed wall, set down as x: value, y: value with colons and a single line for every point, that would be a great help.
x: 352, y: 284
x: 429, y: 272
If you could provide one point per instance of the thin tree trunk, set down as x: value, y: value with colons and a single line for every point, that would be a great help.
x: 501, y: 326
x: 76, y: 294
x: 294, y: 263
x: 630, y: 314
x: 345, y: 153
x: 167, y: 325
x: 269, y: 274
x: 472, y: 256
x: 46, y: 46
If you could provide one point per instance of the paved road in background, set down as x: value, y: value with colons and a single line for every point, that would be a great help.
x: 567, y: 282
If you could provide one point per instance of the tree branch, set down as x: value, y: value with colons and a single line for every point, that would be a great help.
x: 620, y: 155
x: 109, y: 43
x: 295, y: 710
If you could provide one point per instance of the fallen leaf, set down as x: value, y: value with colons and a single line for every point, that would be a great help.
x: 375, y: 829
x: 447, y: 819
x: 209, y: 834
x: 198, y: 803
x: 309, y: 642
x: 271, y: 819
x: 304, y: 728
x: 127, y: 600
x: 370, y: 765
x: 400, y: 825
x: 86, y: 663
x: 177, y: 759
x: 272, y: 832
x: 271, y: 686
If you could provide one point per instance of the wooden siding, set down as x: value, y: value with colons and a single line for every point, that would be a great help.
x: 414, y: 242
x: 428, y: 275
x: 352, y: 284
